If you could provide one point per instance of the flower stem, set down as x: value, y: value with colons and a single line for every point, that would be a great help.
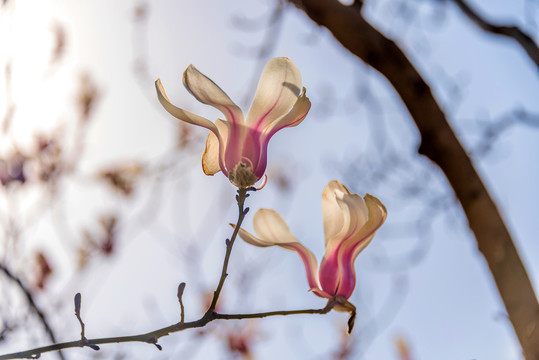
x: 240, y: 199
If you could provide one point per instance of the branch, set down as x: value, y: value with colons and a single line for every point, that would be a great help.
x: 330, y: 305
x: 32, y: 304
x: 240, y: 198
x: 495, y: 128
x: 152, y: 337
x: 210, y: 315
x: 439, y: 143
x: 513, y: 32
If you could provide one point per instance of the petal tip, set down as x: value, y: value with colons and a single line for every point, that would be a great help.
x: 160, y: 89
x: 281, y: 59
x: 190, y: 68
x: 188, y: 71
x: 206, y: 171
x: 374, y: 199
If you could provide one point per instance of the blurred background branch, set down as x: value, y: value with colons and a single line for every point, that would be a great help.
x: 101, y: 190
x: 42, y: 317
x: 510, y: 31
x: 439, y: 143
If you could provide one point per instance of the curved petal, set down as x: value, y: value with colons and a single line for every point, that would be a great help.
x: 271, y: 227
x: 213, y: 158
x: 293, y: 118
x: 331, y: 210
x: 277, y: 91
x: 207, y: 92
x: 348, y: 282
x: 355, y: 215
x: 181, y: 114
x: 330, y: 273
x: 343, y: 214
x: 350, y: 223
x: 352, y: 246
x: 251, y: 239
x: 272, y: 230
x: 377, y: 216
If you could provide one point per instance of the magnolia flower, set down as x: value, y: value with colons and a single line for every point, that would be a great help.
x: 238, y: 146
x: 350, y: 223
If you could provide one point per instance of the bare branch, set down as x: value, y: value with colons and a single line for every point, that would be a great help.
x: 181, y: 289
x: 495, y: 128
x: 240, y: 198
x: 152, y: 337
x: 83, y: 341
x: 513, y: 32
x: 440, y: 144
x: 330, y: 305
x: 32, y: 304
x: 210, y: 315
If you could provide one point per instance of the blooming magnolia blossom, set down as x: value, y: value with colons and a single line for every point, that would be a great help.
x: 350, y: 223
x: 238, y: 146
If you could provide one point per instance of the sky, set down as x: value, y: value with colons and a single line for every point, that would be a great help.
x: 441, y: 299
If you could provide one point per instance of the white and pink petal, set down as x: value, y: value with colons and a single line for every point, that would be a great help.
x: 377, y: 216
x: 351, y: 247
x: 332, y: 214
x: 181, y: 114
x: 272, y: 230
x: 212, y: 159
x: 207, y: 92
x: 293, y: 118
x: 277, y: 91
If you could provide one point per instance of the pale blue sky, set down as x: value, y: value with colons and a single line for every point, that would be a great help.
x: 445, y: 306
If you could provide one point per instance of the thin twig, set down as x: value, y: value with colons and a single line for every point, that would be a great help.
x: 77, y: 313
x: 210, y: 315
x: 83, y: 341
x: 240, y: 198
x: 181, y: 289
x: 513, y: 32
x: 330, y: 305
x: 32, y: 304
x: 153, y: 336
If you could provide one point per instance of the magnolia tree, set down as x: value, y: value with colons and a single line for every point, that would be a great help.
x: 238, y: 146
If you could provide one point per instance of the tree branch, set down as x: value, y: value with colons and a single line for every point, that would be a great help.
x: 240, y: 198
x: 439, y: 143
x: 152, y: 337
x: 32, y: 304
x: 330, y: 305
x: 513, y: 32
x: 210, y: 315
